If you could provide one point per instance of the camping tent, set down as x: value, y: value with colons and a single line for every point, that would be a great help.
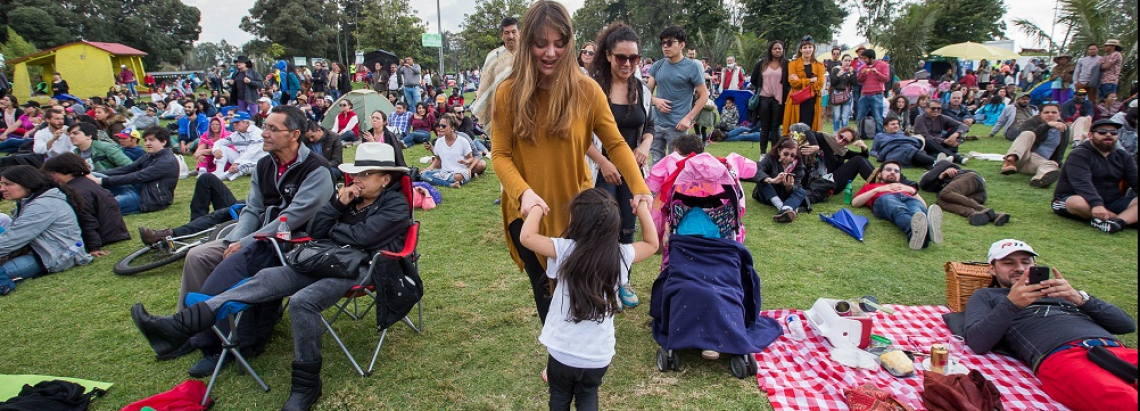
x: 364, y: 102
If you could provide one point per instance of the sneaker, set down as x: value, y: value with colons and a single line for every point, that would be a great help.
x: 963, y: 159
x: 497, y: 201
x: 934, y: 216
x: 1111, y: 226
x: 1046, y: 180
x: 786, y: 216
x: 5, y: 290
x: 627, y: 296
x: 1001, y: 219
x: 941, y: 157
x: 194, y: 172
x: 205, y: 367
x: 150, y: 237
x: 710, y: 355
x: 918, y: 229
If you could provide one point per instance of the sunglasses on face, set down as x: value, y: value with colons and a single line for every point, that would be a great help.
x: 669, y: 43
x: 891, y: 170
x: 621, y: 60
x: 441, y: 125
x: 588, y: 52
x: 934, y: 109
x: 1105, y: 132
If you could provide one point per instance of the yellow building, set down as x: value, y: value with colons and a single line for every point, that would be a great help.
x: 89, y: 68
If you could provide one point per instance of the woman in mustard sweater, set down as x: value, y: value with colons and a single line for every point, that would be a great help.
x: 805, y: 72
x: 544, y: 117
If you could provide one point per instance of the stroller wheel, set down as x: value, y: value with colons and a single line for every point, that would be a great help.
x: 674, y: 360
x: 739, y: 366
x: 753, y: 366
x: 662, y: 360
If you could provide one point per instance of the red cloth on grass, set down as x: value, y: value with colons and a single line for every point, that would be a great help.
x: 186, y: 396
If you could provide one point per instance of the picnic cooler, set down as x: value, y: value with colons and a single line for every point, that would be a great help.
x: 962, y: 280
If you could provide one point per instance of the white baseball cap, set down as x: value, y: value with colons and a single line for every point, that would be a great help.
x: 1004, y: 248
x: 265, y: 100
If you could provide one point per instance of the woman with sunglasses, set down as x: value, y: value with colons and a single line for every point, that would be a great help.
x: 347, y: 124
x: 454, y: 162
x: 842, y: 161
x: 544, y: 115
x: 586, y: 58
x: 630, y: 101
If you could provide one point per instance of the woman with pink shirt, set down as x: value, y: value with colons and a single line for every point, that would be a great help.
x: 215, y: 132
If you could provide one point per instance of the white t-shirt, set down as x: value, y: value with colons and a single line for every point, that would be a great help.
x: 61, y: 145
x: 393, y: 82
x: 449, y: 156
x: 585, y: 344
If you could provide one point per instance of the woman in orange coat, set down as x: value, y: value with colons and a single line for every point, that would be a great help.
x: 804, y: 72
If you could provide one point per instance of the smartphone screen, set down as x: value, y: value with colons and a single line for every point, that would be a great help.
x: 1039, y: 273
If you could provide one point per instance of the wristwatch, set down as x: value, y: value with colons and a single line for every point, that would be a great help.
x: 1084, y: 297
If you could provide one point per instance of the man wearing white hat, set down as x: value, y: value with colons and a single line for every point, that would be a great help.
x: 127, y: 76
x: 1064, y: 334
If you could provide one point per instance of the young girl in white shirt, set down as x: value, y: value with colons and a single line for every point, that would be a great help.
x: 589, y: 264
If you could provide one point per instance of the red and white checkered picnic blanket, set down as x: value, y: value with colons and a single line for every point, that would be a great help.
x: 800, y: 375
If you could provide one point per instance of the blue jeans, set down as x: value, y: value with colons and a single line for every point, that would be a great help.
x: 1105, y: 89
x: 793, y: 198
x: 743, y: 134
x: 416, y: 137
x: 12, y: 144
x: 840, y: 115
x: 128, y: 199
x: 347, y: 136
x: 131, y: 88
x: 22, y: 267
x: 871, y: 105
x: 412, y: 96
x: 443, y: 178
x: 898, y: 209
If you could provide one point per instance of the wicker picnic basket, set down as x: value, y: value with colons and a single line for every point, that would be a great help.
x: 962, y: 280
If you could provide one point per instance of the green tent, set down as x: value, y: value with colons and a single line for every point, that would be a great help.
x: 364, y: 102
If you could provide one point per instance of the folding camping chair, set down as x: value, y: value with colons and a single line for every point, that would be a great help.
x: 232, y: 311
x: 350, y: 306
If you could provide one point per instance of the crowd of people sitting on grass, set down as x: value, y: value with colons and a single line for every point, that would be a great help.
x: 74, y: 168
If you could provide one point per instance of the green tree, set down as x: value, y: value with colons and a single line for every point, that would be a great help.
x: 164, y: 29
x: 207, y: 54
x: 300, y: 26
x: 875, y: 16
x: 392, y: 25
x: 909, y: 36
x: 791, y: 20
x: 14, y: 47
x: 968, y: 20
x: 596, y: 14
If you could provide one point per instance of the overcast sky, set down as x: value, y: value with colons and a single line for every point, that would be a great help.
x: 220, y: 18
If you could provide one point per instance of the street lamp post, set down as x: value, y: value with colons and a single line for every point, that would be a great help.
x: 439, y: 29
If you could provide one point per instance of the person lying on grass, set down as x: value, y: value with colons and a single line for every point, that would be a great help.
x: 891, y: 199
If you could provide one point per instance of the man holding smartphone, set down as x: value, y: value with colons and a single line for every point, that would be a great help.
x: 1054, y: 328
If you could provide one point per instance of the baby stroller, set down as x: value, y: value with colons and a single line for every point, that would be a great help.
x: 707, y: 296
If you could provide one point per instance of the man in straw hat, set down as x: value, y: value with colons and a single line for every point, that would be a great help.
x: 1110, y: 66
x: 1061, y: 75
x: 1058, y: 330
x: 371, y: 215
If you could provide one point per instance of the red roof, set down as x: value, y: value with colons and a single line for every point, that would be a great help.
x: 117, y: 49
x: 113, y: 48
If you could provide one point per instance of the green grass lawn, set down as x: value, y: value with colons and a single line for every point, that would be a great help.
x: 479, y: 350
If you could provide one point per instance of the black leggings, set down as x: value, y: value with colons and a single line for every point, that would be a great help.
x: 856, y: 166
x: 539, y: 282
x: 209, y: 191
x: 771, y: 117
x: 921, y: 159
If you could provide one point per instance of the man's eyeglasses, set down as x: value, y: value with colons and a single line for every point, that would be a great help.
x: 621, y: 60
x: 934, y: 109
x: 892, y: 170
x: 669, y: 43
x: 274, y: 129
x: 344, y: 105
x: 1106, y: 132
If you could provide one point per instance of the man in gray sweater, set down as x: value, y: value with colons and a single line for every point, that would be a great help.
x: 410, y: 72
x: 1054, y: 328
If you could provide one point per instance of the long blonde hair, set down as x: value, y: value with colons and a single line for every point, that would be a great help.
x: 565, y: 97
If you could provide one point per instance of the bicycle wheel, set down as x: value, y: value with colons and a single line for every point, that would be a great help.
x: 148, y: 258
x: 221, y: 230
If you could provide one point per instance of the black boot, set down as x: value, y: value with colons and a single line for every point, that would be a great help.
x: 167, y: 335
x: 306, y: 386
